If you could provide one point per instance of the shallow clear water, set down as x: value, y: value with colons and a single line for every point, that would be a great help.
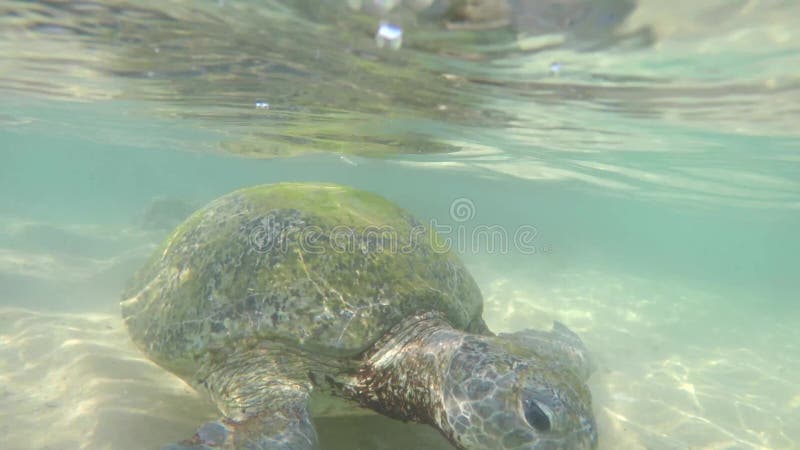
x: 659, y: 166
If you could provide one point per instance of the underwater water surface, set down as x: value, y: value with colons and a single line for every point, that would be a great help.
x: 652, y: 146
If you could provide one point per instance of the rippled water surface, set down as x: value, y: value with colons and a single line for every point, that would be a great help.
x: 653, y: 146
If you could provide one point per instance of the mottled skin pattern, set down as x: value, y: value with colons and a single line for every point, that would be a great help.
x: 477, y: 390
x: 274, y: 292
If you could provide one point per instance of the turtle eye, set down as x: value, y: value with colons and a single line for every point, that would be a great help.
x: 535, y: 415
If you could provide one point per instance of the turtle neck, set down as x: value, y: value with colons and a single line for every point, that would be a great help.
x: 402, y: 376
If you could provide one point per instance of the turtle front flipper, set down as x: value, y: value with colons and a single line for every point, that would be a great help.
x: 210, y: 435
x: 265, y: 401
x: 261, y: 432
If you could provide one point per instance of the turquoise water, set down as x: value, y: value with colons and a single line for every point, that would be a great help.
x: 660, y: 168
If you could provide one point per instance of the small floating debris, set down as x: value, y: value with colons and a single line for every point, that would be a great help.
x: 7, y: 120
x: 262, y: 105
x: 389, y: 35
x: 348, y: 160
x: 555, y: 68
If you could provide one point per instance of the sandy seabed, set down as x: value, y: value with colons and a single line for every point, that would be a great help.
x: 678, y: 368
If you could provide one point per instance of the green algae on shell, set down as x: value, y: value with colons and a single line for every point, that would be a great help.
x: 321, y: 267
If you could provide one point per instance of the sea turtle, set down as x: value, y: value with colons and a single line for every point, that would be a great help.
x: 274, y: 291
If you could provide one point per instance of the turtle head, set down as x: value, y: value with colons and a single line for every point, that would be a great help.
x: 501, y: 393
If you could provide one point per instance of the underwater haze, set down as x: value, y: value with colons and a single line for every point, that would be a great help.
x: 650, y: 150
